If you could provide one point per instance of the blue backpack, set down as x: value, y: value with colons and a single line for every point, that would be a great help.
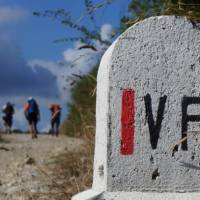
x: 33, y: 107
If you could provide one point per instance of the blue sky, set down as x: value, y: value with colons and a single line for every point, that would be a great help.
x: 39, y: 33
x: 29, y: 58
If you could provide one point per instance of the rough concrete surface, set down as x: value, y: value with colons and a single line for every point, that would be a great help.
x: 158, y: 59
x: 149, y: 196
x: 159, y: 56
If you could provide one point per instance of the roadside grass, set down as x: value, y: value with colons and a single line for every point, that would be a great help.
x: 81, y: 116
x: 75, y: 169
x: 71, y: 172
x: 67, y: 174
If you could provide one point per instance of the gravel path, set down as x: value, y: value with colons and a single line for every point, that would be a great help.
x: 21, y: 161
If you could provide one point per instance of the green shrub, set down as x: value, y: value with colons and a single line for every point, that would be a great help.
x: 81, y: 118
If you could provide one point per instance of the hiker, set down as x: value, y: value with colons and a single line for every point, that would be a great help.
x: 32, y: 114
x: 55, y: 119
x: 8, y: 111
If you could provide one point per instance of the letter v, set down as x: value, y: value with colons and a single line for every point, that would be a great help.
x: 154, y: 129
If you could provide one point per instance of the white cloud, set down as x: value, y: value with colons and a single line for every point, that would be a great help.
x: 80, y: 58
x: 106, y: 32
x: 19, y: 118
x: 75, y: 61
x: 17, y: 78
x: 9, y: 14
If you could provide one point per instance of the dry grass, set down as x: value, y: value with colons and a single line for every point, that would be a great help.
x: 72, y: 171
x: 67, y: 174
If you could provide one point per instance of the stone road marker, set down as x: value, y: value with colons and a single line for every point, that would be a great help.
x: 148, y: 98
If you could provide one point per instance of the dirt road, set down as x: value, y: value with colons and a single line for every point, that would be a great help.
x: 21, y: 161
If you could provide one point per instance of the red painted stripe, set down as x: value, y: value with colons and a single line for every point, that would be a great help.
x: 127, y: 122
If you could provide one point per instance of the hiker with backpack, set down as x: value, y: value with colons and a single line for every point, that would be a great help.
x: 55, y: 119
x: 32, y: 114
x: 8, y: 111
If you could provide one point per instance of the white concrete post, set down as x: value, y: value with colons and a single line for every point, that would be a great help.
x: 148, y: 98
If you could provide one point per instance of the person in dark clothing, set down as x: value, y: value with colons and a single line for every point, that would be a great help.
x: 55, y: 119
x: 8, y: 110
x: 32, y: 114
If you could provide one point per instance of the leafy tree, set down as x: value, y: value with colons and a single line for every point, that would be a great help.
x: 189, y: 8
x: 140, y: 9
